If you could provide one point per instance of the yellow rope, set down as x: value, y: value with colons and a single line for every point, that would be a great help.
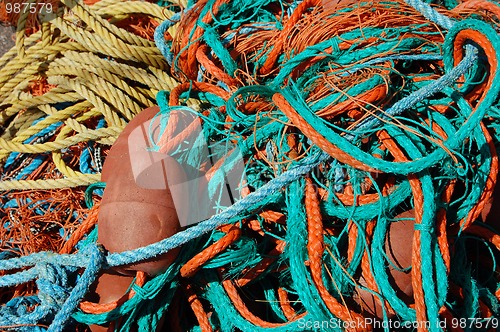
x: 102, y: 27
x: 110, y: 115
x: 98, y: 44
x: 46, y: 34
x: 21, y: 123
x: 69, y: 67
x: 59, y: 162
x: 23, y: 68
x: 98, y: 71
x: 54, y: 116
x: 107, y: 90
x: 84, y: 180
x: 88, y: 135
x: 54, y: 97
x: 12, y: 53
x: 154, y: 78
x: 21, y: 26
x: 114, y: 8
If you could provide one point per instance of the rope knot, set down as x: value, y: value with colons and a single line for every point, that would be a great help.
x: 52, y: 284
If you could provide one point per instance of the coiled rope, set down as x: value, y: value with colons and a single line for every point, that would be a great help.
x: 81, y: 86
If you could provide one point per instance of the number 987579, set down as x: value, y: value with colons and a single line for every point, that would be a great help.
x: 12, y: 7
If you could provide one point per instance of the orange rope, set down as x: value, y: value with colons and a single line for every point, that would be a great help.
x: 315, y: 249
x: 197, y: 307
x: 98, y: 308
x: 316, y: 137
x: 215, y: 70
x: 240, y: 305
x: 288, y: 310
x: 416, y: 271
x: 479, y: 4
x: 255, y: 271
x: 272, y: 57
x: 196, y: 263
x: 82, y: 230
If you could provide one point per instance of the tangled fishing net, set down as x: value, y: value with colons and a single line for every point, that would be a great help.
x: 369, y: 132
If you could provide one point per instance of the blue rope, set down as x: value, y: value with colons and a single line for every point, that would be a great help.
x: 10, y: 318
x: 18, y: 278
x: 160, y: 32
x: 37, y: 161
x: 431, y: 14
x: 427, y: 91
x: 96, y: 259
x: 176, y: 240
x: 76, y: 260
x: 48, y: 131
